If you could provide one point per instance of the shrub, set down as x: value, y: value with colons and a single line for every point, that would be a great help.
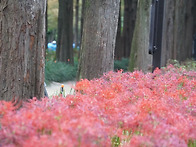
x: 188, y: 64
x: 118, y: 109
x: 50, y: 55
x: 59, y: 72
x: 121, y: 64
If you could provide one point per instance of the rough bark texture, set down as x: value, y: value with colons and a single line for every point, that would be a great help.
x: 98, y: 41
x: 64, y: 52
x: 130, y: 9
x: 177, y: 31
x: 22, y: 48
x: 139, y: 58
x: 119, y: 52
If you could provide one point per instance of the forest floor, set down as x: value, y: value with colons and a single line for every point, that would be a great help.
x: 54, y: 88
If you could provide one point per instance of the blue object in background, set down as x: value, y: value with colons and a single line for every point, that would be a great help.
x: 74, y: 46
x: 52, y: 46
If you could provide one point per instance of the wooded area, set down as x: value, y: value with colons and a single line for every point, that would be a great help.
x: 102, y: 31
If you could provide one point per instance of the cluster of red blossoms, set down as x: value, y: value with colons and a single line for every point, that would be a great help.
x: 118, y: 109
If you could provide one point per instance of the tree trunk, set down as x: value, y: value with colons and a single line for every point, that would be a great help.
x: 22, y: 49
x: 46, y: 23
x: 76, y: 23
x: 98, y: 40
x: 177, y: 31
x: 130, y: 9
x: 119, y: 52
x: 139, y: 58
x: 64, y: 52
x: 194, y: 16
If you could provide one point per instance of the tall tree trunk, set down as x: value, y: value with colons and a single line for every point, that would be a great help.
x: 81, y: 31
x: 98, y: 40
x: 194, y: 28
x: 64, y: 52
x: 82, y: 21
x: 118, y: 47
x: 130, y: 9
x: 46, y: 17
x: 76, y: 23
x: 139, y: 58
x: 194, y: 15
x: 177, y: 31
x: 22, y: 49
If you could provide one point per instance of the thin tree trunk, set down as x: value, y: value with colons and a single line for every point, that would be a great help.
x: 98, y: 40
x: 46, y: 17
x: 81, y: 31
x: 64, y: 52
x: 130, y: 9
x: 76, y: 23
x: 22, y: 49
x: 118, y: 47
x: 82, y: 21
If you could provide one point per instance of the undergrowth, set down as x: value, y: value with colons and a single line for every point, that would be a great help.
x: 59, y: 72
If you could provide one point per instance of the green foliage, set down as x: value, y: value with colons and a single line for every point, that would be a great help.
x: 52, y: 14
x: 121, y: 64
x: 187, y: 65
x: 192, y: 143
x: 50, y: 55
x: 59, y: 72
x: 115, y: 141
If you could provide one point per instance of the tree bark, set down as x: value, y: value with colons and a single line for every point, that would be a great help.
x: 22, y: 49
x: 98, y: 40
x: 76, y: 23
x: 139, y: 58
x: 194, y: 16
x: 119, y: 52
x: 130, y: 9
x: 46, y: 23
x: 177, y: 31
x: 64, y: 52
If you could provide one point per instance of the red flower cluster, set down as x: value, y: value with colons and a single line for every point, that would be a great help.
x: 119, y: 109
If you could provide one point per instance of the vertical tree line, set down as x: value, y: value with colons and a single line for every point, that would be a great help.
x: 126, y: 26
x: 105, y: 30
x: 178, y: 30
x: 177, y: 38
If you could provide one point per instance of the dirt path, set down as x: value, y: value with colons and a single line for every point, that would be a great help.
x: 54, y: 88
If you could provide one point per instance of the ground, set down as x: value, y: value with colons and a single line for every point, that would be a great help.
x: 54, y: 88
